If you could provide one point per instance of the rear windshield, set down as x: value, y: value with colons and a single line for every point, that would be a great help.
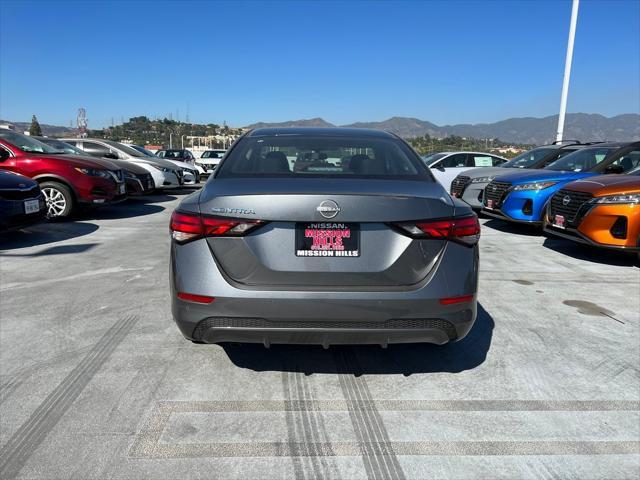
x: 322, y: 156
x: 581, y: 160
x: 212, y: 154
x: 173, y: 154
x: 531, y: 157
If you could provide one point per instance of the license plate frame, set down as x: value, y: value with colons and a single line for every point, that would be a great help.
x: 489, y: 204
x: 31, y: 206
x: 559, y: 221
x: 327, y: 240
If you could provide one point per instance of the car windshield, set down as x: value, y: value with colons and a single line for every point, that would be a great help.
x: 142, y: 150
x: 62, y: 146
x: 27, y: 144
x: 581, y: 160
x: 526, y: 159
x: 125, y: 148
x: 322, y: 156
x: 434, y: 157
x: 212, y: 154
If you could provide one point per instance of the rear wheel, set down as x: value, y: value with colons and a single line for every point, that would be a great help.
x: 60, y: 201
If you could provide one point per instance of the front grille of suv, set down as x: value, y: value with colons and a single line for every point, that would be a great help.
x: 459, y: 185
x: 575, y: 208
x: 496, y: 191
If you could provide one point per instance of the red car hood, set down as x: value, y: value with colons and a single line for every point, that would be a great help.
x: 80, y: 161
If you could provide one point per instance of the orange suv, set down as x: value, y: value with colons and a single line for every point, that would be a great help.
x: 602, y: 211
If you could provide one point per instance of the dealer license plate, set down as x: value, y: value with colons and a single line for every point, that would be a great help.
x: 559, y: 221
x: 327, y: 239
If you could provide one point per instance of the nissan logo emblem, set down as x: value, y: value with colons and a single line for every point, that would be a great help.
x: 328, y: 209
x: 566, y: 200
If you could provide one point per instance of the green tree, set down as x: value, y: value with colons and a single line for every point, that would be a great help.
x: 35, y: 129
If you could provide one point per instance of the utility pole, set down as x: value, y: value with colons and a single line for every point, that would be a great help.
x: 567, y: 69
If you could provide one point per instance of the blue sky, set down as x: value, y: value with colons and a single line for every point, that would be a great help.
x: 446, y: 62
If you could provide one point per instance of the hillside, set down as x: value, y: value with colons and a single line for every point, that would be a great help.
x: 48, y: 130
x: 525, y: 130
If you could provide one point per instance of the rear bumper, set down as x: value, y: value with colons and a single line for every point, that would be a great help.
x: 339, y: 316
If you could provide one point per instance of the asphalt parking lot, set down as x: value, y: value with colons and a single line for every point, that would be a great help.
x: 97, y: 382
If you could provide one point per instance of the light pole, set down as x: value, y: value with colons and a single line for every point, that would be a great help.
x: 567, y: 69
x: 170, y: 140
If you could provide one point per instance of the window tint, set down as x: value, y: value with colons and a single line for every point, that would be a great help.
x: 629, y: 161
x: 453, y: 161
x: 95, y: 149
x: 581, y: 160
x: 322, y: 156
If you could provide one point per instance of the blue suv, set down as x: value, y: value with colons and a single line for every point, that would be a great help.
x: 523, y: 196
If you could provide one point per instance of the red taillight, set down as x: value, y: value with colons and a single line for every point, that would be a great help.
x: 189, y: 226
x: 454, y: 300
x: 464, y: 229
x: 190, y: 297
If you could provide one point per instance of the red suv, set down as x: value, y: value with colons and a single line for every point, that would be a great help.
x: 66, y: 181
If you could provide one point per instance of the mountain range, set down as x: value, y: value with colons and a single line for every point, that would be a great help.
x: 525, y: 130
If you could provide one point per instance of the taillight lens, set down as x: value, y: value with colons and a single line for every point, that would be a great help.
x: 463, y: 229
x: 191, y: 226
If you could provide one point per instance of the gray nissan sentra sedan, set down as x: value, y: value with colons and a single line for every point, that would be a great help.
x: 323, y: 236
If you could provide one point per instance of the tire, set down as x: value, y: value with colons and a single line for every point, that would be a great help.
x: 59, y: 199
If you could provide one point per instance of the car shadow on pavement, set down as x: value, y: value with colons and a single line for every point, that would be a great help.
x: 56, y: 250
x: 405, y: 359
x: 121, y: 210
x: 151, y: 198
x: 43, y: 233
x: 592, y: 254
x: 513, y: 228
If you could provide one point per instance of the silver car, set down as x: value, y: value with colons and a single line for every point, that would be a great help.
x: 323, y: 236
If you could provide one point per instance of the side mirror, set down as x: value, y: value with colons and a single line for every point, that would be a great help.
x: 614, y: 169
x: 439, y: 166
x: 3, y: 154
x: 111, y: 155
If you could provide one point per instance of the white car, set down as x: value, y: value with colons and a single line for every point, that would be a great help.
x: 165, y: 174
x: 190, y: 174
x: 210, y: 159
x: 446, y: 166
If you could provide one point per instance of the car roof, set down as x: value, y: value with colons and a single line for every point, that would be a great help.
x: 320, y: 131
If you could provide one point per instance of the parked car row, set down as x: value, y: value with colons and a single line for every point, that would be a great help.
x: 55, y: 177
x: 586, y: 192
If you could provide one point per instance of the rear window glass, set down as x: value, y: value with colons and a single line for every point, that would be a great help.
x: 322, y: 156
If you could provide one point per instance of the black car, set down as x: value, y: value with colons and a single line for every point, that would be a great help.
x: 21, y: 201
